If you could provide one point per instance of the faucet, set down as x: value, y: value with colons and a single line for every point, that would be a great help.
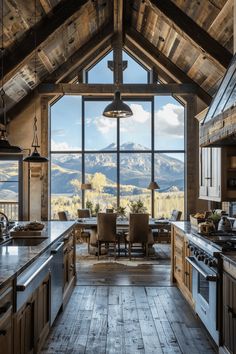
x: 7, y: 220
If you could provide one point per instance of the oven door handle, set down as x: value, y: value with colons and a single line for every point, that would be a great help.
x: 194, y: 264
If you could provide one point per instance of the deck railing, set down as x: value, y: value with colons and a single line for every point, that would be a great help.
x: 10, y: 208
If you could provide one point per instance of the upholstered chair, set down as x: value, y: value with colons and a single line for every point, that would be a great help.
x: 85, y: 234
x: 63, y: 215
x: 139, y: 232
x: 106, y: 230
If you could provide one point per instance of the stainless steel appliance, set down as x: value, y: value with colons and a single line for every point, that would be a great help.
x: 56, y: 268
x: 206, y: 282
x: 207, y: 276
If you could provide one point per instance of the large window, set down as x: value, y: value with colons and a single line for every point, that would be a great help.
x: 118, y: 157
x: 10, y: 187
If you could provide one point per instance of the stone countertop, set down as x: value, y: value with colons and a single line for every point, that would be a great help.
x: 14, y: 259
x: 184, y: 226
x: 231, y: 257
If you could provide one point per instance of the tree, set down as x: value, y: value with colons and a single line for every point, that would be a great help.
x: 98, y: 181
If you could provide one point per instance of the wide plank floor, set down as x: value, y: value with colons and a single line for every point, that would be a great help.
x: 127, y: 319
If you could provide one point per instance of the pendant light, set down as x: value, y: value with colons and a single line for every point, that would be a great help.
x: 5, y: 146
x: 35, y: 156
x: 153, y: 185
x: 117, y: 108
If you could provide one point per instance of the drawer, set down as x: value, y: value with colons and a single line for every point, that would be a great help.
x: 6, y: 335
x: 6, y: 301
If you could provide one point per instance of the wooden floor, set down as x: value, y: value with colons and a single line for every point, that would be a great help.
x: 126, y: 319
x: 122, y: 307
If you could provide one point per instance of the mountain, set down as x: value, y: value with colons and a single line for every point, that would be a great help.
x: 135, y: 168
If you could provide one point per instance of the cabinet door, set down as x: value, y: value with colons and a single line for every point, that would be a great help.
x: 25, y: 328
x: 214, y: 183
x: 229, y: 313
x: 203, y: 172
x: 71, y: 265
x: 43, y: 311
x: 187, y: 267
x: 6, y: 335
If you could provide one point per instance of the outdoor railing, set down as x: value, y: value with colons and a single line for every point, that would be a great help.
x: 10, y: 209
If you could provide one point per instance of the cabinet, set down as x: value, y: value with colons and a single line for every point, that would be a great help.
x: 69, y: 265
x: 181, y: 269
x: 210, y: 174
x: 31, y: 322
x: 217, y: 174
x: 6, y: 328
x: 229, y: 313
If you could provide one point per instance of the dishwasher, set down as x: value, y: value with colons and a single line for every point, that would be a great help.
x: 56, y: 267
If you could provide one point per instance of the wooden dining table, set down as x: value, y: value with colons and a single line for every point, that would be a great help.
x: 122, y: 226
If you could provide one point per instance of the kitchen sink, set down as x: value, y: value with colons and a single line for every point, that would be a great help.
x: 23, y: 242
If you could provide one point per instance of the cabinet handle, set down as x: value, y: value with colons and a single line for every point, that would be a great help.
x: 3, y: 332
x: 186, y: 273
x: 55, y: 250
x: 231, y: 311
x: 5, y: 308
x: 208, y: 177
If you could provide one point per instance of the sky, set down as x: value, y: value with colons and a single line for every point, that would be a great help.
x: 100, y: 131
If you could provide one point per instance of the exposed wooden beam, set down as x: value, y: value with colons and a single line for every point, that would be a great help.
x: 184, y: 23
x: 166, y: 64
x: 46, y: 28
x: 88, y: 50
x: 118, y: 15
x: 125, y: 89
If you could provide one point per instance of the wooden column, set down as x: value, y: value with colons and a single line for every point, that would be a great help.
x: 191, y: 157
x: 45, y: 152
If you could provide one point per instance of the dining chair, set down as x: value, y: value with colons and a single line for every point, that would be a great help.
x: 106, y: 230
x: 109, y: 210
x: 85, y: 234
x: 63, y: 215
x: 139, y: 232
x: 163, y: 233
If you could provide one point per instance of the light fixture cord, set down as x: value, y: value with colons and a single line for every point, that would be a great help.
x: 2, y: 93
x: 35, y: 138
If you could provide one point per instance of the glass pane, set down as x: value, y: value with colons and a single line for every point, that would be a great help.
x: 135, y: 176
x: 100, y: 73
x: 203, y: 287
x: 169, y: 174
x: 8, y: 170
x: 100, y: 132
x: 135, y: 132
x: 65, y: 184
x: 101, y: 172
x: 134, y: 73
x: 66, y: 124
x: 169, y: 124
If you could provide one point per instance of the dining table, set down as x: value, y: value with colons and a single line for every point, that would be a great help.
x: 122, y: 225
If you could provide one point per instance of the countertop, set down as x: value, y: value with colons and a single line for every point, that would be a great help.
x: 14, y: 259
x: 185, y: 226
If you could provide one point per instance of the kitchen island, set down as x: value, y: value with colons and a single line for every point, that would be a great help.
x: 35, y: 282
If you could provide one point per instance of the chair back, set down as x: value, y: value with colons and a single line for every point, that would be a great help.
x: 106, y: 229
x: 175, y: 215
x: 138, y: 228
x: 63, y: 215
x: 84, y: 213
x: 109, y: 211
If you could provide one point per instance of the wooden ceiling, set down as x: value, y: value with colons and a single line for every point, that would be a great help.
x: 183, y: 40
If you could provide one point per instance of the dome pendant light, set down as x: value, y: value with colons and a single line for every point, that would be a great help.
x: 5, y: 146
x: 35, y: 156
x: 117, y: 108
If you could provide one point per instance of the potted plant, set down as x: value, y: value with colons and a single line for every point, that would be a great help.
x: 137, y: 207
x: 89, y: 205
x: 121, y: 212
x: 96, y: 209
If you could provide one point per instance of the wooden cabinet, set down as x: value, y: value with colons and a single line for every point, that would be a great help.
x: 217, y: 174
x: 69, y: 265
x: 181, y: 269
x: 25, y: 327
x: 210, y: 174
x: 31, y: 322
x: 6, y: 328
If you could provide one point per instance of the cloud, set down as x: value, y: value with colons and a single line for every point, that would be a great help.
x: 105, y: 125
x: 169, y: 120
x: 139, y: 114
x: 58, y: 132
x: 62, y: 146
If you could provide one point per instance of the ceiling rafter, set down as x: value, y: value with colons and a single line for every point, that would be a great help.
x: 68, y: 71
x: 166, y: 64
x: 183, y: 23
x: 46, y: 28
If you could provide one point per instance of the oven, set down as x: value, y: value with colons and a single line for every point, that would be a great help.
x: 206, y: 288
